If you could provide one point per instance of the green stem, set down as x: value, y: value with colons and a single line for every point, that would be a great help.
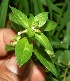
x: 65, y: 74
x: 24, y: 31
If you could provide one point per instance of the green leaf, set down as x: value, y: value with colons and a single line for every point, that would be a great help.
x: 64, y: 58
x: 68, y: 78
x: 16, y: 27
x: 9, y: 48
x: 41, y: 8
x: 31, y: 20
x: 53, y: 79
x: 58, y: 44
x: 43, y: 2
x: 19, y: 18
x: 42, y: 18
x: 67, y: 36
x: 15, y: 20
x: 50, y: 25
x: 49, y: 4
x: 64, y: 20
x: 24, y: 6
x: 50, y: 78
x: 45, y: 42
x: 33, y: 23
x: 49, y: 65
x: 56, y: 8
x: 23, y: 51
x: 3, y: 12
x: 36, y: 7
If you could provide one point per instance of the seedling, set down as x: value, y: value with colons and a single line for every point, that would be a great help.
x: 31, y: 38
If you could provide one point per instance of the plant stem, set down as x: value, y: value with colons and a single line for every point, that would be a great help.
x: 65, y: 74
x: 24, y: 31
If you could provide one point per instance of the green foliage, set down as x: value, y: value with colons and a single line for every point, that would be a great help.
x: 23, y: 51
x: 56, y: 34
x: 32, y: 22
x: 67, y: 36
x: 64, y: 58
x: 3, y: 13
x: 45, y: 42
x: 44, y: 60
x: 23, y: 48
x: 68, y: 78
x: 19, y: 18
x: 42, y: 18
x: 50, y: 25
x: 8, y: 48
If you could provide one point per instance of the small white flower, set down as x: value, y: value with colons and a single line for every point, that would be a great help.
x: 19, y: 33
x: 32, y: 28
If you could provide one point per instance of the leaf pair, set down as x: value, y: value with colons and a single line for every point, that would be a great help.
x: 36, y: 22
x: 21, y: 19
